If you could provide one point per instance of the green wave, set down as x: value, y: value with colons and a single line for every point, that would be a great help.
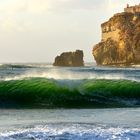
x: 44, y: 93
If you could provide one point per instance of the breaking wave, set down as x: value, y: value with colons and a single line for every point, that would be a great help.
x: 50, y: 93
x: 72, y: 132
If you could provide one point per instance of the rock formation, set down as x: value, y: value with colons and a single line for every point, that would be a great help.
x: 120, y: 44
x: 70, y: 59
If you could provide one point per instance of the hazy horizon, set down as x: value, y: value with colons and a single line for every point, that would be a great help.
x: 39, y: 30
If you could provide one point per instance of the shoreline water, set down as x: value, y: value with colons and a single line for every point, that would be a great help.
x: 76, y: 124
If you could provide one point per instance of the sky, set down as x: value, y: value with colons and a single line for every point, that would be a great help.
x: 39, y: 30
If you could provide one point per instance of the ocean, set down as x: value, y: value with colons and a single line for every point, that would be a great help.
x: 42, y: 102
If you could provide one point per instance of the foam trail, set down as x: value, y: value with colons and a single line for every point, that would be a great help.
x: 74, y: 132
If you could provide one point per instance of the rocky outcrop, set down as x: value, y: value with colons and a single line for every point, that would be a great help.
x: 70, y: 59
x: 120, y: 44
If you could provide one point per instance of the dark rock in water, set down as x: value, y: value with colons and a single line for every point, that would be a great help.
x: 120, y: 44
x: 70, y: 59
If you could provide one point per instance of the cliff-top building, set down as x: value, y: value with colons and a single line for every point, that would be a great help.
x: 111, y: 30
x: 132, y: 9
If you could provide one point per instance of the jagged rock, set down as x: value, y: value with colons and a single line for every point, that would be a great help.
x: 120, y: 44
x: 70, y: 59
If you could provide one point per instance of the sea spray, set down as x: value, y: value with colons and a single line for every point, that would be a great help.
x: 63, y: 74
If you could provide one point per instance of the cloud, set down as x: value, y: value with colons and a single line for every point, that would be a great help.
x: 24, y: 6
x: 43, y: 6
x: 11, y: 25
x: 17, y: 15
x: 36, y: 6
x: 75, y: 4
x: 20, y: 15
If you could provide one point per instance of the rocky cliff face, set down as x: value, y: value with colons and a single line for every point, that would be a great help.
x: 70, y: 59
x: 120, y: 44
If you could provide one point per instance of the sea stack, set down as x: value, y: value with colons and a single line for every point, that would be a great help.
x: 70, y: 59
x: 120, y: 43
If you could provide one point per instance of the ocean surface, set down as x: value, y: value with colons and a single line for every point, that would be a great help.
x: 42, y: 102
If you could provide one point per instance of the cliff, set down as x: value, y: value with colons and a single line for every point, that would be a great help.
x: 120, y: 44
x: 70, y: 59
